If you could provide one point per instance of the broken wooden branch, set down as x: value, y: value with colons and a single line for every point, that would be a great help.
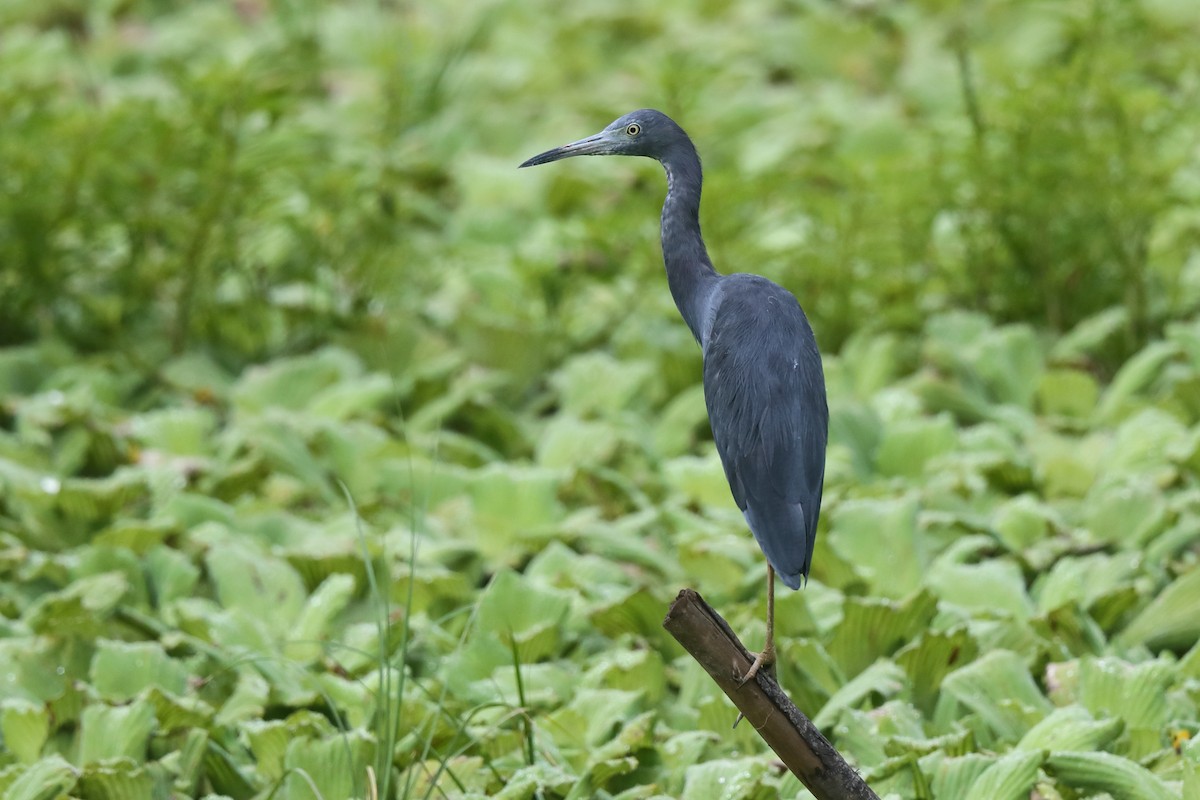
x: 793, y: 737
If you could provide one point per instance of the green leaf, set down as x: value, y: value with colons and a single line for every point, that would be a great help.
x: 808, y: 671
x: 908, y: 445
x: 170, y: 574
x: 1068, y: 466
x: 313, y: 625
x: 729, y: 779
x: 930, y: 658
x: 1068, y: 392
x: 1009, y: 778
x: 1010, y: 363
x: 701, y: 479
x: 872, y: 360
x: 248, y: 699
x: 883, y: 678
x: 23, y: 369
x: 947, y: 334
x: 250, y: 581
x: 512, y: 504
x: 80, y: 608
x: 117, y: 779
x: 856, y: 429
x: 1134, y: 376
x: 1089, y: 336
x: 1083, y: 579
x: 999, y: 688
x: 48, y: 779
x: 1105, y: 772
x: 175, y: 713
x: 1023, y: 521
x: 31, y: 671
x: 955, y: 777
x: 968, y: 405
x: 873, y: 628
x: 1191, y: 780
x: 988, y: 586
x: 596, y: 384
x: 134, y: 536
x: 569, y: 442
x: 268, y: 740
x: 1133, y: 693
x: 1175, y: 539
x: 1142, y: 443
x: 860, y: 742
x: 1069, y: 630
x: 636, y: 612
x: 224, y: 774
x: 680, y: 423
x: 293, y: 383
x: 25, y: 728
x: 680, y: 752
x: 593, y: 717
x: 1170, y: 620
x: 177, y: 431
x: 281, y: 443
x: 122, y: 670
x: 107, y: 732
x: 723, y: 559
x: 336, y: 766
x: 539, y: 780
x: 512, y: 608
x: 858, y: 527
x: 1001, y: 364
x: 355, y: 397
x: 1071, y: 728
x: 197, y: 374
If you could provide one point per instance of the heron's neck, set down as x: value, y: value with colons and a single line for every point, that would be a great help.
x: 690, y: 274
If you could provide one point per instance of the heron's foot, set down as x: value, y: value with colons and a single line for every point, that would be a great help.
x: 764, y: 660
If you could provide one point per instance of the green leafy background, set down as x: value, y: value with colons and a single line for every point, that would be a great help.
x: 337, y: 456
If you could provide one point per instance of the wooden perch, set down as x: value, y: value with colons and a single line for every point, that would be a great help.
x: 793, y: 737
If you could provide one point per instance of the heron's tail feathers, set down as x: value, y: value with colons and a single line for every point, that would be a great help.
x: 782, y: 533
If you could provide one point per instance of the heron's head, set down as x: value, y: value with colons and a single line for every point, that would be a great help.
x: 645, y: 132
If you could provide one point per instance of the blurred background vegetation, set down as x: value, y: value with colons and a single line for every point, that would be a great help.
x: 262, y: 260
x: 250, y: 179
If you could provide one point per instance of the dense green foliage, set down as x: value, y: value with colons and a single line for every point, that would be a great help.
x: 331, y: 443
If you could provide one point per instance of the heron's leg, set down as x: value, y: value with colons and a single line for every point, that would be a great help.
x: 767, y: 657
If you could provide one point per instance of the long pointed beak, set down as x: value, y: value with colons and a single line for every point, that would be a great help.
x: 591, y: 146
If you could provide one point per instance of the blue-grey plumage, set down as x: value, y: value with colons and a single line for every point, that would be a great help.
x: 763, y: 381
x: 765, y: 392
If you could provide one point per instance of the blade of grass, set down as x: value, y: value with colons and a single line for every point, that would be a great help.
x: 526, y: 721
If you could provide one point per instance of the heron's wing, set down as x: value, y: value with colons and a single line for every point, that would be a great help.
x: 765, y: 392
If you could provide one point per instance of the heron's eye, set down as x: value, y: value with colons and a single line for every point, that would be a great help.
x: 633, y: 129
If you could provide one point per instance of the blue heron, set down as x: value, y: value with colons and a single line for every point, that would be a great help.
x: 763, y: 381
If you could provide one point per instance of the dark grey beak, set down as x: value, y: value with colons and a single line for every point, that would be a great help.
x: 591, y: 146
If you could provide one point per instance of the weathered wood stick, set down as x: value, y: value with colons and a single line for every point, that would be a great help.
x: 793, y: 737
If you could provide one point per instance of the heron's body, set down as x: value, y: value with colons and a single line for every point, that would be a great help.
x: 763, y: 381
x: 769, y: 424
